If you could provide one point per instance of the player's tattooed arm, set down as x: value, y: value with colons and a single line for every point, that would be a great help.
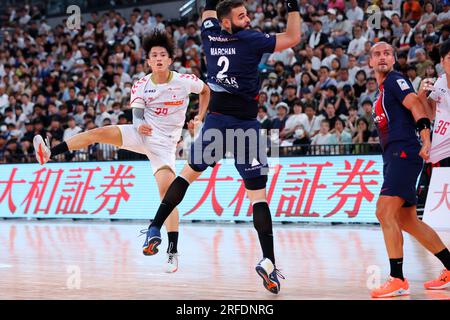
x: 291, y: 37
x: 139, y: 122
x: 210, y: 9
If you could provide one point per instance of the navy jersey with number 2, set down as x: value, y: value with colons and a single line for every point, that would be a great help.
x: 232, y: 63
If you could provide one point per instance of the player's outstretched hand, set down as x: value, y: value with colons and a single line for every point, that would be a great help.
x: 426, y: 86
x: 145, y: 129
x: 425, y: 151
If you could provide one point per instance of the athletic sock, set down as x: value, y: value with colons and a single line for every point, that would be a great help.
x: 444, y: 256
x: 263, y: 225
x: 173, y: 242
x: 172, y: 198
x: 59, y: 149
x: 397, y: 268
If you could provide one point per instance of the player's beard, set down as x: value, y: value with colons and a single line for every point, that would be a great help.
x: 235, y: 28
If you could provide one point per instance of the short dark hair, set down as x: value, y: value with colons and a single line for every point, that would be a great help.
x: 444, y: 49
x: 224, y: 8
x: 158, y: 38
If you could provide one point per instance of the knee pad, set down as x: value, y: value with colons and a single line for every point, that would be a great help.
x: 257, y: 183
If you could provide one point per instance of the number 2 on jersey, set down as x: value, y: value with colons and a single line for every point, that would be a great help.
x: 224, y: 63
x: 442, y: 127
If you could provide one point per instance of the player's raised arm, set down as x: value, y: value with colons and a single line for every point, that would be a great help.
x: 210, y: 9
x: 291, y: 37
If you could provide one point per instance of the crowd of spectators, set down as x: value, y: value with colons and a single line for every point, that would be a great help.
x: 58, y: 81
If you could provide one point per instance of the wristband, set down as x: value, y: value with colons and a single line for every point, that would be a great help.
x: 423, y: 123
x: 292, y: 6
x: 211, y: 4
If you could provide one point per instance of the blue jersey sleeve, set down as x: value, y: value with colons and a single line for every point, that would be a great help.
x: 399, y: 86
x: 210, y: 26
x: 261, y: 42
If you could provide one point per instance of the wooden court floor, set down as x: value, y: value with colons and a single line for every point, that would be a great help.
x: 103, y: 260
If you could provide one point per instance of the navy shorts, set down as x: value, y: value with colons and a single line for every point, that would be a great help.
x: 222, y: 134
x: 401, y: 169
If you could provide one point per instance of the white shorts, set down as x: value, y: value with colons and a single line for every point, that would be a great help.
x: 159, y: 150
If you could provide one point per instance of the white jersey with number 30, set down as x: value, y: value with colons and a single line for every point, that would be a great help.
x: 440, y: 146
x: 165, y: 104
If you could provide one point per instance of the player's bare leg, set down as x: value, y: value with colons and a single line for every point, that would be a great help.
x: 429, y: 238
x: 107, y: 135
x: 388, y: 214
x: 164, y: 177
x: 262, y: 222
x: 172, y: 197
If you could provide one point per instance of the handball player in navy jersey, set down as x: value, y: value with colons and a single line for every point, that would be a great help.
x: 233, y: 52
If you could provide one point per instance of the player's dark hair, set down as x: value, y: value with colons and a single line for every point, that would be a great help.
x: 224, y: 8
x: 444, y: 49
x: 158, y: 38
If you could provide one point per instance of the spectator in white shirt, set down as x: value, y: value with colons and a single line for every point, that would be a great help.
x: 342, y: 31
x: 443, y: 18
x: 312, y: 122
x: 3, y: 98
x: 356, y: 46
x: 318, y: 38
x: 110, y: 31
x: 355, y: 14
x: 21, y: 118
x: 397, y: 27
x: 72, y: 130
x: 286, y: 56
x: 135, y: 25
x: 10, y: 117
x: 412, y: 75
x: 322, y: 138
x: 294, y: 121
x: 329, y: 55
x: 102, y: 115
x: 27, y: 106
x: 352, y: 68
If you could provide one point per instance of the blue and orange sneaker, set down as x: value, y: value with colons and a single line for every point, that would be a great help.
x: 152, y: 241
x: 269, y: 273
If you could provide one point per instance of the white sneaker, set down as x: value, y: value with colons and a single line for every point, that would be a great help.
x: 41, y: 149
x: 172, y: 263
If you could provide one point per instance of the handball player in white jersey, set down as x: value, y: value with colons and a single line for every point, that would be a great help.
x: 439, y: 102
x: 159, y: 102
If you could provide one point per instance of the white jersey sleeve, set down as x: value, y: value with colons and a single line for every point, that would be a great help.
x: 193, y: 83
x: 439, y: 89
x: 440, y: 144
x: 137, y: 99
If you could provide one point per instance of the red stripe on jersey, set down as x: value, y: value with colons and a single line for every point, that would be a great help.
x: 381, y: 116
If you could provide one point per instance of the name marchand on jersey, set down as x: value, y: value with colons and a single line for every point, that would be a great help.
x: 222, y: 51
